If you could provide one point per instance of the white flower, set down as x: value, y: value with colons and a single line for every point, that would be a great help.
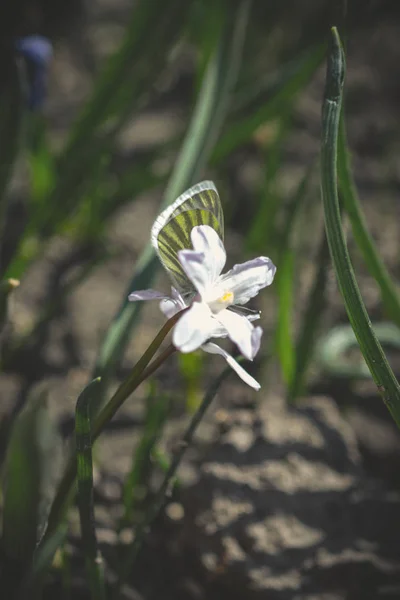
x: 215, y: 309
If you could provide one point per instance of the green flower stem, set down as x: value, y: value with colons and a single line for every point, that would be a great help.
x: 141, y: 371
x: 126, y: 390
x: 370, y: 347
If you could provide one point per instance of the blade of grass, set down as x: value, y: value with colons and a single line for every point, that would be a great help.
x: 333, y: 349
x: 263, y: 227
x: 351, y: 203
x: 11, y: 118
x: 283, y: 334
x: 257, y: 87
x: 41, y: 163
x: 371, y: 349
x: 315, y: 304
x: 42, y: 560
x: 33, y: 460
x: 286, y: 279
x: 192, y: 372
x: 239, y: 132
x: 84, y: 471
x: 208, y: 116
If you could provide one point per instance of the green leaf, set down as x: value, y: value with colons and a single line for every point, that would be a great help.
x: 11, y: 117
x: 263, y: 227
x: 192, y: 371
x: 315, y: 305
x: 351, y: 202
x: 334, y: 347
x: 84, y: 471
x: 371, y: 349
x: 32, y: 468
x: 240, y: 131
x: 283, y: 336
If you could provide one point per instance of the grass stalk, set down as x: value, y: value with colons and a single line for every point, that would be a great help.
x: 389, y: 294
x: 84, y: 468
x: 371, y: 349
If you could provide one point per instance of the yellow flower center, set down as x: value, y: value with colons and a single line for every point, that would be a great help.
x: 227, y: 298
x: 218, y: 303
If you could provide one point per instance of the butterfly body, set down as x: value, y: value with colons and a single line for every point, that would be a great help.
x: 199, y: 205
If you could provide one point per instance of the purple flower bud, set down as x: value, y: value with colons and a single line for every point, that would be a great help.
x: 37, y: 52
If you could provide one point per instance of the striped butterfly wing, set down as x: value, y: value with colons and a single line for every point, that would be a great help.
x: 200, y: 205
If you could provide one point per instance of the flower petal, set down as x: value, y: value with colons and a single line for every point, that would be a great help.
x: 193, y: 263
x: 205, y: 239
x: 256, y: 339
x: 247, y: 279
x: 146, y: 295
x: 251, y: 315
x: 214, y: 349
x: 203, y: 264
x: 195, y: 327
x: 170, y: 306
x: 241, y: 332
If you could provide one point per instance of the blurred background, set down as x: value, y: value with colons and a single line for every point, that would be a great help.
x: 103, y: 115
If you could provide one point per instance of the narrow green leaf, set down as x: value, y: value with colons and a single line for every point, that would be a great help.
x: 264, y: 223
x: 256, y: 88
x: 372, y: 351
x: 315, y: 305
x: 32, y: 466
x: 84, y: 472
x: 11, y: 117
x: 191, y: 369
x: 41, y: 164
x: 283, y: 334
x: 11, y: 137
x: 351, y: 202
x: 334, y: 347
x: 239, y: 132
x: 42, y: 560
x: 286, y: 279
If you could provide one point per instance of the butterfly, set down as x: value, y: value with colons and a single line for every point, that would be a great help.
x: 199, y: 205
